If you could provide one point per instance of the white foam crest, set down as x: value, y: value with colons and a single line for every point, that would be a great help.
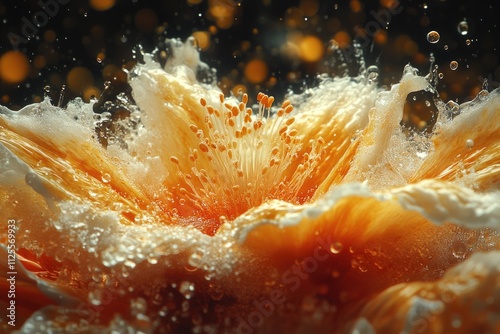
x: 444, y: 202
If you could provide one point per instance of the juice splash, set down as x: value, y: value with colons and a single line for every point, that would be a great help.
x: 360, y: 226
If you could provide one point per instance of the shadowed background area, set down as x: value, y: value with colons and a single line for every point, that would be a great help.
x: 269, y: 46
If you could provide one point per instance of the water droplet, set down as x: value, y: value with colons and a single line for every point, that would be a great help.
x: 469, y: 143
x: 187, y: 289
x: 482, y: 94
x: 440, y: 75
x: 453, y: 106
x: 459, y: 250
x: 463, y: 28
x: 130, y: 264
x: 446, y: 47
x: 195, y: 261
x: 336, y: 247
x: 138, y: 306
x: 46, y: 89
x: 453, y: 65
x: 111, y: 140
x: 117, y: 206
x: 152, y: 259
x: 373, y: 73
x: 106, y: 178
x: 467, y: 41
x: 427, y: 103
x: 95, y: 297
x: 163, y: 311
x: 99, y: 60
x: 216, y: 292
x: 433, y: 37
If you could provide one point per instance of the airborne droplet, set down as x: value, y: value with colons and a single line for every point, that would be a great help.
x: 453, y: 65
x: 433, y: 37
x: 463, y: 28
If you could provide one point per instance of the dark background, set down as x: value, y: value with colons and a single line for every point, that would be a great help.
x: 100, y: 42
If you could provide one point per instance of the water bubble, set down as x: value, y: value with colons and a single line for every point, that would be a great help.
x: 336, y: 247
x: 196, y: 260
x: 484, y: 86
x: 130, y: 264
x: 106, y: 178
x: 453, y: 65
x: 467, y: 41
x: 463, y: 28
x: 373, y: 73
x: 163, y: 311
x: 152, y: 259
x: 433, y: 37
x: 187, y: 289
x: 459, y: 250
x: 138, y: 306
x: 46, y: 89
x: 427, y: 103
x: 107, y: 84
x: 482, y: 95
x: 469, y: 143
x: 446, y: 47
x: 440, y: 75
x: 453, y: 106
x: 95, y: 297
x: 216, y: 292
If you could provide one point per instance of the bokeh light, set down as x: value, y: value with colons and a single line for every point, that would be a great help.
x: 102, y: 4
x: 311, y: 49
x: 203, y: 39
x: 79, y: 78
x: 256, y: 71
x: 146, y: 20
x: 14, y: 67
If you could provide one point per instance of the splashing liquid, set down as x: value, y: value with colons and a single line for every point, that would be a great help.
x: 233, y: 210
